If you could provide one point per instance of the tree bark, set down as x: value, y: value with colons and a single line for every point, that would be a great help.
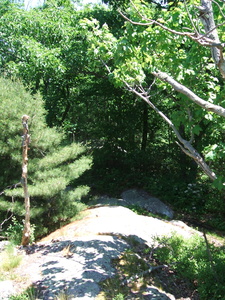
x: 219, y: 110
x: 25, y: 143
x: 144, y: 127
x: 207, y: 17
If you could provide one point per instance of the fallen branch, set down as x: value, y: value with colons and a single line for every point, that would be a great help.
x: 149, y: 270
x: 138, y: 275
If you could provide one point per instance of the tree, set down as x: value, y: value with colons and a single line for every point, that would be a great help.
x: 77, y: 93
x: 165, y: 44
x: 54, y: 165
x: 83, y: 99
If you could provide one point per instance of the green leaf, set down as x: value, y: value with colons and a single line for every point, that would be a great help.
x: 219, y: 183
x: 197, y: 129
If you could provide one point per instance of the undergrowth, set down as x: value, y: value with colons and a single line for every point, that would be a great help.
x: 182, y: 267
x: 9, y: 260
x: 28, y: 294
x: 32, y: 294
x: 127, y: 265
x: 201, y: 263
x: 14, y: 232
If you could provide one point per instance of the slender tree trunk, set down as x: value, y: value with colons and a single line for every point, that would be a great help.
x: 25, y: 143
x: 144, y: 126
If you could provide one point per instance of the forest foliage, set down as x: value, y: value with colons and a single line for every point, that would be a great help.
x: 93, y: 66
x: 125, y: 95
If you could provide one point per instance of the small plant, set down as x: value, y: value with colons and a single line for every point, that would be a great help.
x: 119, y: 297
x: 15, y: 230
x: 9, y: 260
x: 63, y: 296
x: 29, y: 294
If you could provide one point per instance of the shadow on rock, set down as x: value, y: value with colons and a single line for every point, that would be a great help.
x: 151, y: 293
x: 76, y: 267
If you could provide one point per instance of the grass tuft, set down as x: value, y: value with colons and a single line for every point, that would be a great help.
x: 28, y: 294
x: 9, y: 260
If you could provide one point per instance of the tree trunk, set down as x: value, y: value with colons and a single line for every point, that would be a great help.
x: 25, y: 143
x: 144, y: 126
x: 207, y: 17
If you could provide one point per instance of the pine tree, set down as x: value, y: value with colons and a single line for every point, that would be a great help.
x: 54, y: 165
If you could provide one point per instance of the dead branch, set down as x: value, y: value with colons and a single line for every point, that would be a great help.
x: 190, y: 18
x: 219, y: 110
x: 201, y: 39
x: 209, y: 31
x: 219, y: 7
x: 7, y: 218
x: 185, y: 145
x: 10, y: 187
x: 149, y: 270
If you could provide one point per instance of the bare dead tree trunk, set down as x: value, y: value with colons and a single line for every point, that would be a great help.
x: 25, y: 144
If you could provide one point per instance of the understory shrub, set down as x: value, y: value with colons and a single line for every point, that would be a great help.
x: 14, y: 232
x: 202, y: 265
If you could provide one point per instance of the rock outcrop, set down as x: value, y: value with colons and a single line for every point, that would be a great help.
x: 137, y: 198
x: 144, y: 200
x: 77, y: 257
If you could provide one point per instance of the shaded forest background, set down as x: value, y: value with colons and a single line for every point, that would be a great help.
x: 91, y: 136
